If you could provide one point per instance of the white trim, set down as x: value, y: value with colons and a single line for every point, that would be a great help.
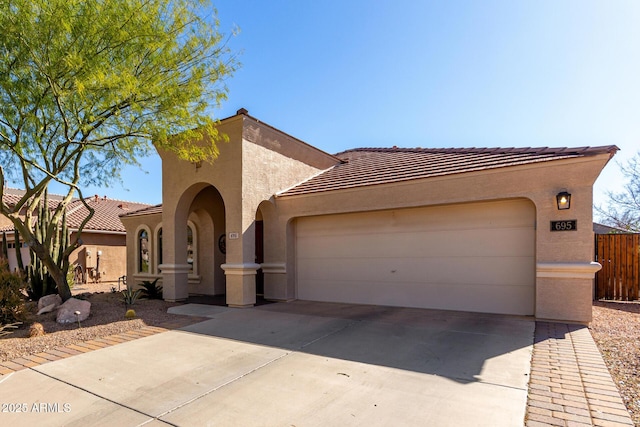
x: 569, y: 270
x: 274, y: 267
x: 247, y: 269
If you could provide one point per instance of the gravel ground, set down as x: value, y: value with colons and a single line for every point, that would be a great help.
x: 616, y: 331
x: 106, y: 318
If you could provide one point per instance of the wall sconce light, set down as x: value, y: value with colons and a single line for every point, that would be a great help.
x: 564, y: 200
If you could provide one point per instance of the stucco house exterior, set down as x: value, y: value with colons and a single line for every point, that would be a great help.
x: 475, y: 229
x: 102, y: 254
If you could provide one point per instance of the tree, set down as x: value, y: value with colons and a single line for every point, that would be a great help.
x: 623, y: 209
x: 88, y: 86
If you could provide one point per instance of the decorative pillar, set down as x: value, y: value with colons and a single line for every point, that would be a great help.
x: 241, y: 284
x: 564, y: 291
x: 175, y: 280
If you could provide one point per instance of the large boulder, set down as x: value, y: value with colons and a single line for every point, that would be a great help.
x: 67, y: 311
x: 47, y: 300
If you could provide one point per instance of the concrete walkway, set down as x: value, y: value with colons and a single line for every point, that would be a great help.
x: 320, y: 364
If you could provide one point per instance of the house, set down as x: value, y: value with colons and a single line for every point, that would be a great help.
x: 102, y: 254
x: 606, y: 229
x: 493, y: 230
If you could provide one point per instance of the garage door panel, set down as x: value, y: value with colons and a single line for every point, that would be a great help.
x: 477, y: 257
x: 470, y: 242
x: 509, y: 300
x: 488, y: 215
x: 474, y: 271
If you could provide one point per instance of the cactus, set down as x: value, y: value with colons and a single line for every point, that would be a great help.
x: 41, y: 283
x: 18, y: 250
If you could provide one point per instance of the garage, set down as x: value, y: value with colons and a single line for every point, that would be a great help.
x: 473, y: 257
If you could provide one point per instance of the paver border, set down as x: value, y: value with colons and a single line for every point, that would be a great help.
x: 570, y: 384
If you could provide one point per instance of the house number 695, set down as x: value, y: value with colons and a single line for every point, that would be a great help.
x: 568, y: 225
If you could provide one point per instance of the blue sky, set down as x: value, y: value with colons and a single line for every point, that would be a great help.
x: 346, y: 74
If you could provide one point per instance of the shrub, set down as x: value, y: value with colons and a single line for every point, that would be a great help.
x: 151, y: 290
x: 12, y: 298
x: 130, y: 296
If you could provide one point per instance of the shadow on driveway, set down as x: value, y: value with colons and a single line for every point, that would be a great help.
x: 464, y: 347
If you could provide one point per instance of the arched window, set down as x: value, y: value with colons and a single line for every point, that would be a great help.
x: 159, y: 247
x: 143, y: 251
x: 190, y: 249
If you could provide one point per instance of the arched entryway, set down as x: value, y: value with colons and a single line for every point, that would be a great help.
x: 193, y: 244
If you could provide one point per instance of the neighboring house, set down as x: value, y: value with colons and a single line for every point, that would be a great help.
x: 606, y: 229
x: 455, y: 229
x: 102, y: 253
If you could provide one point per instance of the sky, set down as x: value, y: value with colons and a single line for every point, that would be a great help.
x: 415, y: 73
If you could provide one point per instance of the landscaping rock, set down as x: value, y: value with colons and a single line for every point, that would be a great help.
x: 67, y: 311
x: 48, y: 300
x: 48, y: 309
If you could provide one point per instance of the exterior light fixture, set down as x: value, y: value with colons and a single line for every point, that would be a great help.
x: 564, y: 200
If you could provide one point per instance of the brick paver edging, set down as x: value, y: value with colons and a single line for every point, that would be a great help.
x: 570, y: 384
x: 57, y: 353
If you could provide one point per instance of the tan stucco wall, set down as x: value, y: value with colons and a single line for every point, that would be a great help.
x: 112, y: 258
x: 112, y: 247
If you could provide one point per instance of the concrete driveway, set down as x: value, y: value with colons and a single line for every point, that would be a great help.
x: 291, y: 364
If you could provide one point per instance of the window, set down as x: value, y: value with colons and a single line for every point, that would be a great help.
x: 190, y: 248
x: 159, y: 246
x: 143, y: 254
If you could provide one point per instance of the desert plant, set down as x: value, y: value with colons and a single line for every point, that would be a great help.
x: 130, y: 314
x: 151, y: 290
x: 130, y: 296
x: 41, y: 283
x: 7, y: 329
x: 12, y: 308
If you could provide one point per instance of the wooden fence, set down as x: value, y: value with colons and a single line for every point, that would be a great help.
x: 619, y: 278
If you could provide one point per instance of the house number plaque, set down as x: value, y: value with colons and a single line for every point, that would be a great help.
x: 567, y: 225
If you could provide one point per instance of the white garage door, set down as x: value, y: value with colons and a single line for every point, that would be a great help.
x: 472, y: 257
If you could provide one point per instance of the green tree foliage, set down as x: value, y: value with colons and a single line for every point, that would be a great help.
x: 623, y: 209
x: 88, y: 86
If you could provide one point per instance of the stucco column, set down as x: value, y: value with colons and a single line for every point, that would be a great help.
x: 240, y: 267
x: 175, y: 270
x: 175, y: 278
x: 241, y: 284
x: 559, y: 282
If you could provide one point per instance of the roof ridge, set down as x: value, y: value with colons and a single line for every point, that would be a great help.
x: 475, y: 150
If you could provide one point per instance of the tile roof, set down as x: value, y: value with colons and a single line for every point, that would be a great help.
x: 149, y: 210
x: 106, y: 216
x: 371, y: 166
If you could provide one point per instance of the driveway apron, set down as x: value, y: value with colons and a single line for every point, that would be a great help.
x: 297, y: 363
